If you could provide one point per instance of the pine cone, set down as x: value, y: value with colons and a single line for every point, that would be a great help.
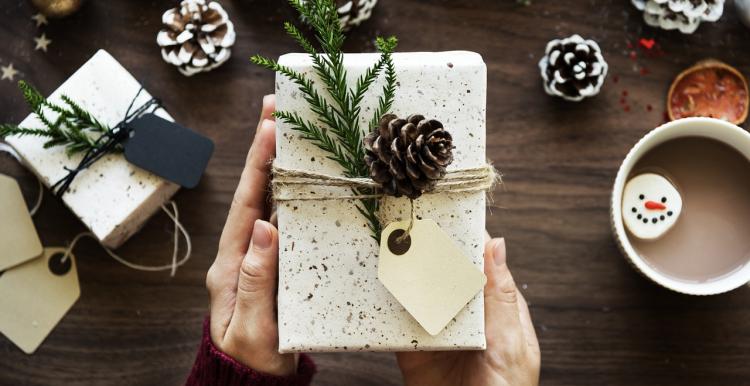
x: 407, y: 156
x: 685, y: 15
x: 197, y: 37
x: 353, y: 12
x: 573, y: 68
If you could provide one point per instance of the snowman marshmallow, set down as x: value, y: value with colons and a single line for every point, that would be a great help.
x: 650, y: 206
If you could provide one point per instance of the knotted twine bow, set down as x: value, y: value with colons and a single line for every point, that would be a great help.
x: 106, y: 143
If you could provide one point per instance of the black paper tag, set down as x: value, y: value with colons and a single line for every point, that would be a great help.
x: 167, y: 149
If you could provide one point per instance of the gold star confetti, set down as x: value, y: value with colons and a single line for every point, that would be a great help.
x: 8, y: 72
x: 40, y: 19
x: 42, y: 42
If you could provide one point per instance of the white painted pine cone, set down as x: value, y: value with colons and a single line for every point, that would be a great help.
x: 353, y: 12
x: 573, y: 68
x: 197, y: 36
x: 683, y: 15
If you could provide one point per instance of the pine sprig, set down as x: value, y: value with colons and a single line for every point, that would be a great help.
x: 71, y: 127
x: 337, y: 107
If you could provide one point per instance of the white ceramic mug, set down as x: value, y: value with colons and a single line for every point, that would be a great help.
x: 719, y: 130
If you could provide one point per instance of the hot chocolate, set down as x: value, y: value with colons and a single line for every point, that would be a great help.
x: 712, y: 236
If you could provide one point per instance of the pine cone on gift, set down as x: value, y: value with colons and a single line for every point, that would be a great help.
x: 197, y: 37
x: 353, y: 12
x: 573, y: 68
x: 684, y: 15
x: 407, y: 156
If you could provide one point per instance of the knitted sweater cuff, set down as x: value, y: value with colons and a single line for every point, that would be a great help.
x: 213, y: 367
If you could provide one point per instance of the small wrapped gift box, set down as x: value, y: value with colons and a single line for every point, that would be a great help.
x: 112, y: 197
x: 330, y: 298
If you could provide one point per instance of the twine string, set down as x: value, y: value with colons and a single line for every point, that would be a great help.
x: 403, y: 237
x: 174, y: 264
x: 483, y: 178
x: 106, y: 143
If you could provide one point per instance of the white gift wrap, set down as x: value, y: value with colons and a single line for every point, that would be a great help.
x: 329, y: 295
x: 113, y: 198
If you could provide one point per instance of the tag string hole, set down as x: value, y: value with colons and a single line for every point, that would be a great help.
x: 399, y: 242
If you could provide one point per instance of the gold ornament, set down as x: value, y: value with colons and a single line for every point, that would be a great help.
x: 57, y: 8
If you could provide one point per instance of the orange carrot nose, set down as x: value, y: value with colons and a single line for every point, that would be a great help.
x: 653, y: 205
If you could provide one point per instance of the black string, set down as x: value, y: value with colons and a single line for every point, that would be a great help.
x: 107, y: 143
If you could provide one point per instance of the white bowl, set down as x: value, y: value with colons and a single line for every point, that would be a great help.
x: 716, y: 129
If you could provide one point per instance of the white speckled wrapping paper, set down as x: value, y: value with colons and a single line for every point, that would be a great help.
x: 112, y: 197
x: 329, y: 296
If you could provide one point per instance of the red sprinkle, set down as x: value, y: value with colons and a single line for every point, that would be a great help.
x: 626, y: 108
x: 616, y: 78
x: 644, y: 71
x: 630, y: 44
x: 649, y: 108
x: 633, y: 55
x: 624, y: 93
x: 647, y: 43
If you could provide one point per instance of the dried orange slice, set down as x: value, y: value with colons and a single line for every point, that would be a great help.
x: 710, y: 88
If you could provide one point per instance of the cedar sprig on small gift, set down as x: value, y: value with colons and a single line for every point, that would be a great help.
x: 338, y: 133
x: 71, y: 127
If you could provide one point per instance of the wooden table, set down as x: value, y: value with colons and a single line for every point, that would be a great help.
x: 598, y: 321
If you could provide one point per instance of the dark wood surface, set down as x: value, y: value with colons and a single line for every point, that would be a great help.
x: 598, y: 321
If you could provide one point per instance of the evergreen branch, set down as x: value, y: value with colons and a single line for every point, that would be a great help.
x: 319, y: 137
x: 83, y: 117
x: 336, y: 129
x: 70, y: 128
x: 385, y: 102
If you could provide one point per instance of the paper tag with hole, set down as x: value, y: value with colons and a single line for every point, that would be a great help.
x: 19, y: 241
x: 427, y: 273
x: 35, y: 296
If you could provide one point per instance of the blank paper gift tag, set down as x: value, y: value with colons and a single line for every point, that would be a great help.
x: 19, y: 241
x: 169, y: 150
x: 427, y: 273
x: 34, y: 297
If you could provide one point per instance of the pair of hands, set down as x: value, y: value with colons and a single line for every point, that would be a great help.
x: 242, y: 285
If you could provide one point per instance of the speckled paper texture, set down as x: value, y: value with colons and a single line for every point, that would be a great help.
x: 329, y: 297
x: 112, y: 197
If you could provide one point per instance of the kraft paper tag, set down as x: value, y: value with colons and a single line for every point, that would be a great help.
x: 19, y: 241
x: 35, y: 296
x: 169, y: 150
x: 427, y: 273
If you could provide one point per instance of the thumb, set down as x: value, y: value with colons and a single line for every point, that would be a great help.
x: 502, y: 318
x: 256, y: 287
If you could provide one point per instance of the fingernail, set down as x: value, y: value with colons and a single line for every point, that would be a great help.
x: 267, y: 123
x: 261, y: 235
x: 265, y: 99
x: 498, y: 251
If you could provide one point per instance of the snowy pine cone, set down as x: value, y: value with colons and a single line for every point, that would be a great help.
x: 573, y: 68
x: 197, y: 37
x: 353, y: 12
x: 684, y: 15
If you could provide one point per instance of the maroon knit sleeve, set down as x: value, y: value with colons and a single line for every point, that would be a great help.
x: 213, y: 367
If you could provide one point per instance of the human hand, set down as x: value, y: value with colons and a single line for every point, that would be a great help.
x: 242, y: 280
x: 512, y: 357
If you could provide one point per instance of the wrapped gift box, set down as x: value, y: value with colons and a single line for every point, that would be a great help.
x: 329, y: 296
x: 112, y: 197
